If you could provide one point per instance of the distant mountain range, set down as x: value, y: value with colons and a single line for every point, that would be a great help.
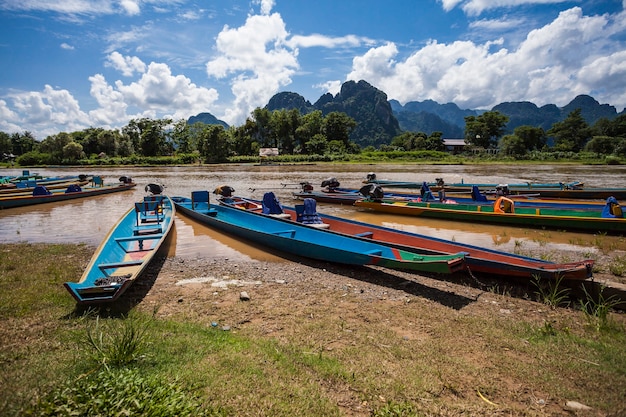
x: 379, y: 120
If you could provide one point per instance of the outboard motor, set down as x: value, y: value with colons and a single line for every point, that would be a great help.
x: 371, y: 176
x: 307, y: 187
x: 224, y: 191
x: 126, y: 180
x: 154, y: 189
x: 330, y: 183
x: 373, y: 191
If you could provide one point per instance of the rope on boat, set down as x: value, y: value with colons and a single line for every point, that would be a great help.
x: 480, y: 284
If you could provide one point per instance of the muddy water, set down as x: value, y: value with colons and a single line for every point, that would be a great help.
x: 87, y: 221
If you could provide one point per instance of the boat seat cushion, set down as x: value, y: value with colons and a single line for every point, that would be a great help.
x: 307, y: 212
x: 271, y: 205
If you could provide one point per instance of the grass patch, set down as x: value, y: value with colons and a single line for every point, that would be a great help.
x: 327, y: 353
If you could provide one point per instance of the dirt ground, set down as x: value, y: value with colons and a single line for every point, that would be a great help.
x: 281, y: 294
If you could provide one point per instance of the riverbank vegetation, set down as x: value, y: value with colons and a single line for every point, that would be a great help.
x: 333, y: 345
x: 313, y: 137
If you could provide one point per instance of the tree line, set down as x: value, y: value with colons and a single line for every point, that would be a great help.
x: 294, y: 133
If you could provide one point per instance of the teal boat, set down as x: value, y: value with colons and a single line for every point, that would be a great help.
x: 310, y: 240
x: 126, y: 251
x: 41, y: 195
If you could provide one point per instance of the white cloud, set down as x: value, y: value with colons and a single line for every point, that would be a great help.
x: 266, y: 6
x: 162, y: 93
x: 570, y: 56
x: 127, y: 65
x: 67, y: 46
x: 332, y: 87
x: 476, y: 7
x: 131, y: 7
x: 326, y: 41
x: 496, y: 24
x: 47, y: 112
x: 257, y: 54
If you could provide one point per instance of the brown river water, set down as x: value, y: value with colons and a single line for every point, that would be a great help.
x: 88, y: 220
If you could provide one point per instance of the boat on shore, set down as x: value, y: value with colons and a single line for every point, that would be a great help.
x: 41, y: 194
x: 309, y: 241
x: 609, y: 219
x: 126, y: 251
x: 479, y: 261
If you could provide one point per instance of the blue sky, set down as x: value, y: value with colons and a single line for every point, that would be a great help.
x: 72, y: 64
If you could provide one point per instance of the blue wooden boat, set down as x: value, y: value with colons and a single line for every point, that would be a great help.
x: 126, y: 251
x: 308, y: 240
x: 480, y: 261
x: 41, y: 194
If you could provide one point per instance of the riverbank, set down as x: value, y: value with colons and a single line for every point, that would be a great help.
x: 310, y: 339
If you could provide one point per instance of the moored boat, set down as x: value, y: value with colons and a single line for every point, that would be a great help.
x: 339, y: 195
x: 571, y: 190
x: 41, y: 194
x: 479, y: 261
x: 311, y: 242
x: 126, y: 251
x: 504, y: 211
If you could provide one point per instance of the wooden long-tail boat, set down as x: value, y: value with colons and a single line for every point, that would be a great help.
x: 571, y: 190
x: 126, y: 251
x: 310, y: 241
x: 504, y: 211
x: 348, y: 196
x: 479, y: 260
x: 41, y: 194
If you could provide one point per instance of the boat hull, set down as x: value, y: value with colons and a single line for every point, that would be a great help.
x: 562, y: 219
x: 125, y: 252
x: 29, y: 200
x: 311, y: 242
x: 480, y: 261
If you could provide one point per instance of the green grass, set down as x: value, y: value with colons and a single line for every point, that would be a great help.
x: 56, y: 362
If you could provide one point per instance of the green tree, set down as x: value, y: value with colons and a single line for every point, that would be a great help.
x: 263, y: 134
x: 6, y: 147
x: 213, y: 144
x: 108, y: 140
x: 602, y: 145
x: 23, y: 143
x: 149, y: 136
x: 184, y: 136
x: 72, y: 152
x: 614, y: 128
x: 243, y: 139
x: 572, y: 133
x: 533, y: 138
x: 53, y: 145
x: 337, y: 126
x: 485, y: 130
x: 317, y: 145
x: 310, y: 125
x: 513, y: 145
x: 283, y: 125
